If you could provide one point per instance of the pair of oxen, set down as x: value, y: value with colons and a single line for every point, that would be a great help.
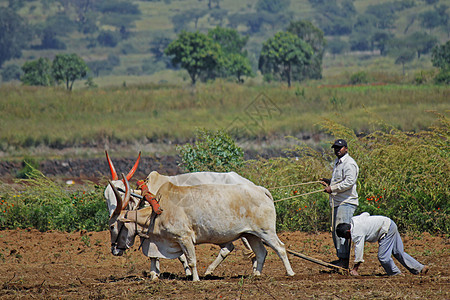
x: 201, y: 207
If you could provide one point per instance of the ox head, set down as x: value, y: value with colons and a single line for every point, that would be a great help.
x: 121, y: 234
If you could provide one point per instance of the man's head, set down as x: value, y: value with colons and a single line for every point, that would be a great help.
x: 343, y: 230
x: 340, y: 147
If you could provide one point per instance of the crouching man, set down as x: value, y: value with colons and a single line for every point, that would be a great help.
x: 369, y: 228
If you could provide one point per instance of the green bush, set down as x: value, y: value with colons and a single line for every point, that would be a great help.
x: 305, y: 213
x: 212, y: 151
x: 402, y: 176
x: 359, y: 77
x: 45, y: 205
x: 28, y: 166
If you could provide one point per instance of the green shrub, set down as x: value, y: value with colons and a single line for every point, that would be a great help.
x: 443, y: 77
x: 212, y: 151
x: 305, y: 213
x: 45, y: 205
x: 402, y: 176
x: 28, y: 166
x: 359, y: 77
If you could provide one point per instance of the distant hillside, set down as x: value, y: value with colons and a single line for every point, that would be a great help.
x: 125, y: 39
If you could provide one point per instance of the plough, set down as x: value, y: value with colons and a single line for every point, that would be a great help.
x: 340, y: 270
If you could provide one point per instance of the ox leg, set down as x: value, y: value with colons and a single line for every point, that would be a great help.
x: 224, y: 251
x: 248, y: 252
x: 154, y: 268
x: 189, y: 250
x: 260, y: 253
x: 183, y: 261
x: 274, y: 242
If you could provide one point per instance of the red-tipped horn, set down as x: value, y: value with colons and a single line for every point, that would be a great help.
x: 118, y: 198
x: 133, y: 170
x: 127, y: 192
x: 111, y: 167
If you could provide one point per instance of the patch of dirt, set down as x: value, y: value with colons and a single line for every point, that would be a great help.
x: 94, y: 169
x: 55, y: 265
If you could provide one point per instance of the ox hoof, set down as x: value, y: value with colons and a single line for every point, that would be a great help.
x: 188, y: 272
x: 256, y: 273
x: 154, y: 276
x: 290, y: 273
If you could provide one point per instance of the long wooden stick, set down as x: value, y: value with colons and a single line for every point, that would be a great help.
x: 341, y: 270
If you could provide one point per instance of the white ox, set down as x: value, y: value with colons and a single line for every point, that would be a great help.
x: 154, y: 182
x: 212, y: 213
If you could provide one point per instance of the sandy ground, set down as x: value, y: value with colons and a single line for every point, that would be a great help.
x: 55, y: 265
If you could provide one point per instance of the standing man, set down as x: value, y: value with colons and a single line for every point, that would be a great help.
x: 343, y: 197
x: 382, y: 229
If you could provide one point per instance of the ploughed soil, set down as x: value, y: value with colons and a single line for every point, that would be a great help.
x: 56, y: 265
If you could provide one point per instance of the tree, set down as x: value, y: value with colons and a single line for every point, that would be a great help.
x: 272, y: 6
x: 379, y: 40
x: 14, y: 35
x: 238, y: 65
x: 37, y: 72
x: 229, y: 39
x: 234, y: 60
x: 181, y: 20
x: 384, y: 14
x: 403, y: 56
x: 158, y: 45
x: 68, y: 68
x: 440, y: 57
x: 422, y: 42
x: 337, y: 46
x: 430, y: 19
x: 195, y: 52
x: 281, y: 53
x: 108, y: 38
x: 306, y: 31
x: 11, y: 72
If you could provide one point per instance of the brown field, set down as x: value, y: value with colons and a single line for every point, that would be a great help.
x: 56, y: 265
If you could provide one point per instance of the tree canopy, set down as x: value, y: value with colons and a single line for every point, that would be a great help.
x: 312, y: 35
x: 14, y: 35
x: 68, y: 68
x: 195, y: 52
x: 281, y: 53
x: 440, y: 58
x: 37, y: 72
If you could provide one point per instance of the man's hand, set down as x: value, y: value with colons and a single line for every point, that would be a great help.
x: 327, y: 190
x: 325, y: 181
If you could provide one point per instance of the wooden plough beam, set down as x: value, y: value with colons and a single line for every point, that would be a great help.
x: 340, y: 270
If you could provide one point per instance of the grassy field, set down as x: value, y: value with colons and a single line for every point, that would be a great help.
x: 32, y: 116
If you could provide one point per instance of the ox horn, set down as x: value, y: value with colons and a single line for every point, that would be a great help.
x: 111, y: 167
x: 130, y: 174
x: 133, y: 170
x: 118, y: 198
x: 127, y: 192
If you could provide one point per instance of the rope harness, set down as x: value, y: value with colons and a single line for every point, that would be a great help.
x: 291, y: 185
